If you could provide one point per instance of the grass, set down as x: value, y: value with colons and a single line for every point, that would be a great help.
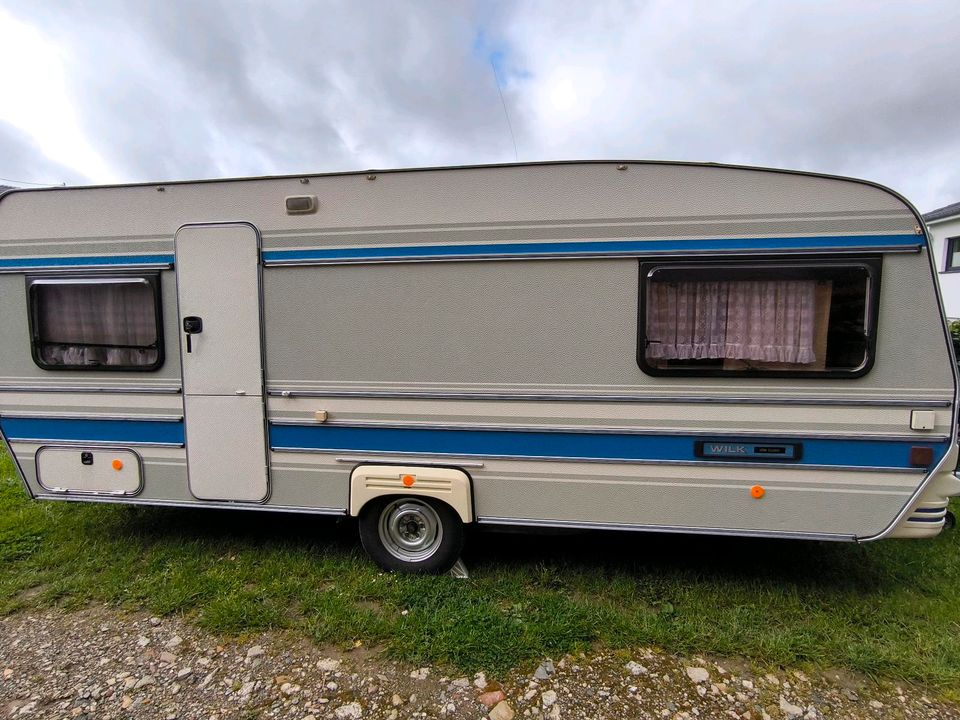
x: 890, y: 609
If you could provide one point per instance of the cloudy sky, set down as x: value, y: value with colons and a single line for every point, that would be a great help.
x: 102, y: 91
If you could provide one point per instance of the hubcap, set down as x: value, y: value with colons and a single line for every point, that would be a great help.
x: 410, y: 530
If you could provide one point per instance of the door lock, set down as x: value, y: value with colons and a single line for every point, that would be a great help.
x: 192, y: 325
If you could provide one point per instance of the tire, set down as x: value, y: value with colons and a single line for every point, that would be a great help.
x: 411, y: 534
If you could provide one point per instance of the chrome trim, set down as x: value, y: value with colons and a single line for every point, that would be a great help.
x: 527, y: 522
x: 132, y: 390
x: 952, y: 363
x: 105, y: 280
x: 72, y: 269
x: 362, y: 459
x: 550, y: 458
x: 610, y: 430
x: 91, y: 416
x: 217, y: 504
x: 677, y: 399
x: 88, y: 493
x: 916, y: 247
x: 16, y: 462
x: 93, y: 443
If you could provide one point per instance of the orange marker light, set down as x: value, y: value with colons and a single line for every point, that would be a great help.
x: 408, y: 480
x: 117, y: 464
x: 757, y: 492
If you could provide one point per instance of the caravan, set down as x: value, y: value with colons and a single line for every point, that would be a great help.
x: 671, y: 347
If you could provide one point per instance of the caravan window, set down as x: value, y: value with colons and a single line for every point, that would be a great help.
x: 763, y: 319
x: 97, y: 323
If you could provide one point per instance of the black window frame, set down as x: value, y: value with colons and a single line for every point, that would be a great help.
x: 872, y: 265
x: 949, y: 244
x: 152, y: 279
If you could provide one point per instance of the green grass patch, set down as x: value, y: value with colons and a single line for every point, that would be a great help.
x: 889, y: 609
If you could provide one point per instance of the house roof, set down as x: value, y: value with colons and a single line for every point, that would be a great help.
x: 944, y: 212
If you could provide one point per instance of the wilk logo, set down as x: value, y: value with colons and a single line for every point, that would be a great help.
x: 728, y: 449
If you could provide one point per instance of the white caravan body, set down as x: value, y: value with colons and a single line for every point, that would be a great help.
x: 642, y: 346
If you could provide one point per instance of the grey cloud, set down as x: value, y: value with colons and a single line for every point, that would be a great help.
x: 204, y: 89
x: 187, y: 90
x: 21, y: 161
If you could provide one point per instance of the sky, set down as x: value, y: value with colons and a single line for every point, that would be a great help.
x: 104, y: 91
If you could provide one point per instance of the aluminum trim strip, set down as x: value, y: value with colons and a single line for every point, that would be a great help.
x: 628, y: 247
x: 609, y: 430
x: 565, y: 459
x: 363, y: 459
x: 738, y: 532
x: 566, y: 397
x: 218, y: 504
x: 16, y: 463
x: 578, y: 256
x: 96, y: 443
x: 92, y: 416
x: 86, y: 262
x: 133, y: 390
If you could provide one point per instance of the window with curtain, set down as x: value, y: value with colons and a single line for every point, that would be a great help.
x: 765, y: 319
x: 96, y: 323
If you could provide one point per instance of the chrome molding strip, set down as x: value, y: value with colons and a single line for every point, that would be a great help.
x: 735, y: 532
x: 220, y: 505
x: 567, y: 460
x: 94, y: 416
x: 905, y: 511
x: 132, y: 390
x: 70, y: 269
x: 363, y: 459
x: 611, y: 430
x: 678, y: 399
x: 93, y: 443
x: 16, y: 463
x: 955, y: 372
x: 906, y: 248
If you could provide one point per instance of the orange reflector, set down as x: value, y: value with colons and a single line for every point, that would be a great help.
x: 117, y: 464
x: 757, y: 492
x: 408, y: 480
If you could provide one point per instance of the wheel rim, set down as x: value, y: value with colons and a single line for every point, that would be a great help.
x: 410, y: 530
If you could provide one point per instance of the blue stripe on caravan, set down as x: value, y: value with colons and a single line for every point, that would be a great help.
x: 831, y: 242
x: 117, y: 431
x: 488, y: 443
x: 69, y: 261
x: 571, y: 445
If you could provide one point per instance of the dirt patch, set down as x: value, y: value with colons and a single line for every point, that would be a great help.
x: 99, y: 663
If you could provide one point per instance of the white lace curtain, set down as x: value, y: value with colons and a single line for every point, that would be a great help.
x: 763, y: 320
x: 97, y: 324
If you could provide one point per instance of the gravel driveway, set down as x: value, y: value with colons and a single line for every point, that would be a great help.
x: 100, y: 663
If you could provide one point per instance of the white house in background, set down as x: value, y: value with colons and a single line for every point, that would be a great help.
x: 944, y: 225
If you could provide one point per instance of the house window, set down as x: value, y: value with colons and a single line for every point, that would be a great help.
x: 96, y: 323
x: 758, y: 319
x: 953, y: 255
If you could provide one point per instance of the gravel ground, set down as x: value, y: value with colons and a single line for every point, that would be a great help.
x: 99, y: 663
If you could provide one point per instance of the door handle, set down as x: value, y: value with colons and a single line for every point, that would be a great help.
x: 192, y: 325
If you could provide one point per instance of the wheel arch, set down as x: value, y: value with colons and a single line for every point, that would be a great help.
x: 452, y: 486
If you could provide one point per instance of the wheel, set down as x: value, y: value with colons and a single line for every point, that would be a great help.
x: 411, y: 534
x: 949, y: 521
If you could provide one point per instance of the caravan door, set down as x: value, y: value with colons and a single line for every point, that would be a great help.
x: 221, y: 355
